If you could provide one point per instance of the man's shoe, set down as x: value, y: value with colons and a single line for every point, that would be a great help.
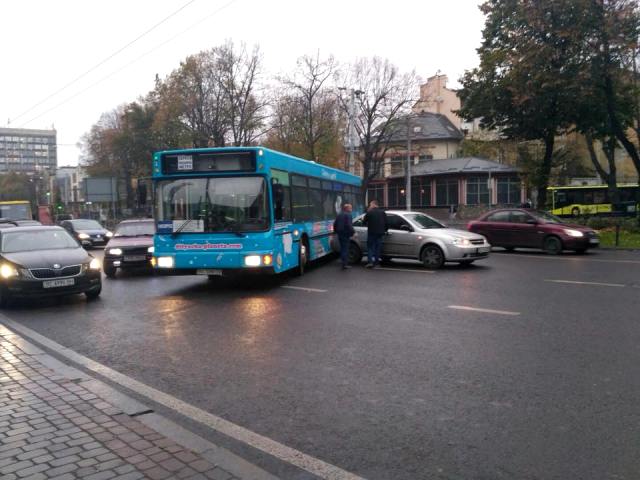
x: 369, y: 265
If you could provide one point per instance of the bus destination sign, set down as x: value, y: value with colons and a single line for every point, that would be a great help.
x: 208, y: 162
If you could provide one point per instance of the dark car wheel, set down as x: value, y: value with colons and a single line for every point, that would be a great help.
x: 355, y: 254
x: 432, y: 257
x: 552, y: 245
x: 94, y: 293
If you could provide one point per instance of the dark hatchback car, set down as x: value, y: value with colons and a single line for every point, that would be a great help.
x: 523, y: 228
x: 43, y: 261
x: 130, y: 247
x: 88, y: 232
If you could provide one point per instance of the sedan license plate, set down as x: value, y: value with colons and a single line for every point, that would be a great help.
x: 135, y: 258
x: 209, y: 271
x: 64, y: 282
x: 594, y: 240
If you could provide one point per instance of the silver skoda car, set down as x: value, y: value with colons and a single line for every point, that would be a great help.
x: 418, y: 236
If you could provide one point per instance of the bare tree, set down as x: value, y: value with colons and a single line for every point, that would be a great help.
x: 386, y: 95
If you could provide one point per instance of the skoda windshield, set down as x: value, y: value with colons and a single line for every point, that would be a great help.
x: 213, y: 204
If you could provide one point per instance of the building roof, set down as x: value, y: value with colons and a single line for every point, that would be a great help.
x: 425, y: 126
x: 458, y: 165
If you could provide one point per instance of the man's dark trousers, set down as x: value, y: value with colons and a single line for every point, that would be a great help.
x: 374, y: 247
x: 344, y: 249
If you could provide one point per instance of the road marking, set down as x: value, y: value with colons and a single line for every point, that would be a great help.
x: 290, y: 455
x: 483, y: 310
x: 404, y: 270
x: 566, y: 259
x: 304, y: 289
x: 598, y: 284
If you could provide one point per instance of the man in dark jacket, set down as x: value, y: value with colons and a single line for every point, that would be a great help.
x: 376, y: 221
x: 343, y: 227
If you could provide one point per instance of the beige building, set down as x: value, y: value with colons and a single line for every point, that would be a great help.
x: 435, y: 97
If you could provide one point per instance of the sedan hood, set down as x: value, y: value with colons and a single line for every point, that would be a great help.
x: 449, y: 232
x: 46, y: 258
x: 130, y: 242
x: 580, y: 228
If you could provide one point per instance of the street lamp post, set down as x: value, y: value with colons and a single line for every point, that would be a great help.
x: 351, y: 113
x: 408, y: 176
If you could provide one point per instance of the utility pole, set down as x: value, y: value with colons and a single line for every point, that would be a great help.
x: 351, y: 114
x: 408, y: 176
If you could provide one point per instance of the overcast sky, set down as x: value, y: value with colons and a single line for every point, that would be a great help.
x: 48, y: 44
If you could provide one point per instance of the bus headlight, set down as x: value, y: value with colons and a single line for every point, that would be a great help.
x: 8, y: 271
x: 165, y: 262
x: 115, y: 251
x: 252, y: 261
x: 573, y: 233
x: 95, y: 264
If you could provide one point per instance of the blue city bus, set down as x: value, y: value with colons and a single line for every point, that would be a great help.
x: 237, y: 209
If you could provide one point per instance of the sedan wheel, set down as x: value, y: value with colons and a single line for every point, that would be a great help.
x: 552, y: 245
x: 432, y: 257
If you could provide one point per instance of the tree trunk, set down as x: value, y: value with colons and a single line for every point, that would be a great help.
x: 609, y: 177
x: 545, y: 171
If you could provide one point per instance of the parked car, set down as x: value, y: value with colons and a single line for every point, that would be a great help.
x: 130, y: 247
x: 513, y: 228
x: 17, y: 223
x: 418, y: 236
x: 41, y: 261
x: 88, y: 232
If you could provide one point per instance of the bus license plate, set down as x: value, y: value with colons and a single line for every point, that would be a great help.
x: 65, y: 282
x: 209, y: 271
x: 135, y: 258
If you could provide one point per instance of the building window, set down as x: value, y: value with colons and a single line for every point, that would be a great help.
x: 396, y: 194
x: 425, y: 157
x: 375, y: 191
x: 447, y: 191
x: 420, y: 192
x: 508, y: 190
x: 477, y: 191
x: 398, y: 165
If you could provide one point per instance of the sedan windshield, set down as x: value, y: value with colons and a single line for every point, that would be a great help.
x: 548, y: 218
x: 423, y: 221
x: 135, y: 229
x: 86, y: 225
x: 13, y: 242
x: 220, y: 204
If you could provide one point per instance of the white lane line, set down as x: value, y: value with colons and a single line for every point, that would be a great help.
x: 567, y: 259
x: 290, y: 455
x: 404, y: 270
x: 597, y: 284
x: 304, y: 289
x: 483, y: 310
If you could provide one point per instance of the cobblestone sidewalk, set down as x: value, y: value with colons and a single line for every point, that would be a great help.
x: 54, y: 428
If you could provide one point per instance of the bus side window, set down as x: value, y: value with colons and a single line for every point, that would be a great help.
x: 281, y: 195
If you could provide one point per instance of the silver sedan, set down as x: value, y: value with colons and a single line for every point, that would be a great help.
x: 418, y: 236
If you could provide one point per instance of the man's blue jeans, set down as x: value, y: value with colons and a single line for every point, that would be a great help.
x: 374, y: 248
x: 344, y: 249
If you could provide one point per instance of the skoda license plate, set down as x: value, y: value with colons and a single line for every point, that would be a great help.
x: 63, y: 282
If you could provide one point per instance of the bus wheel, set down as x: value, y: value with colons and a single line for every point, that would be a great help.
x: 552, y: 245
x: 575, y: 212
x: 303, y: 257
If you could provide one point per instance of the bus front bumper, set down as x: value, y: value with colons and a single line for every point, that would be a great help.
x: 219, y: 264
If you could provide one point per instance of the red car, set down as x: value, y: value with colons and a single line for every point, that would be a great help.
x: 513, y: 228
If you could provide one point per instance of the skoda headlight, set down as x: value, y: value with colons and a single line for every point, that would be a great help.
x: 83, y: 236
x: 8, y: 271
x: 150, y: 249
x: 115, y: 251
x: 461, y: 241
x: 108, y: 234
x: 573, y: 233
x: 95, y: 264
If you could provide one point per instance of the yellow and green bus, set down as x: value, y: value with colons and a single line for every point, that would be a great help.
x: 15, y: 210
x: 592, y: 200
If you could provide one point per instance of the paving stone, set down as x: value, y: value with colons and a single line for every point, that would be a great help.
x: 106, y: 475
x: 70, y: 467
x: 157, y: 473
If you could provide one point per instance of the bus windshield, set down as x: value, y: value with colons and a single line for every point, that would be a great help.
x: 222, y: 204
x: 15, y: 211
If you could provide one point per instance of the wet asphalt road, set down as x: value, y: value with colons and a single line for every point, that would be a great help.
x: 372, y: 371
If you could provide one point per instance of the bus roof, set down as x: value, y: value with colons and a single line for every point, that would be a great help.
x: 295, y: 164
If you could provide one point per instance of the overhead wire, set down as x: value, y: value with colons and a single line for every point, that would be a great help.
x: 202, y: 20
x: 102, y: 62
